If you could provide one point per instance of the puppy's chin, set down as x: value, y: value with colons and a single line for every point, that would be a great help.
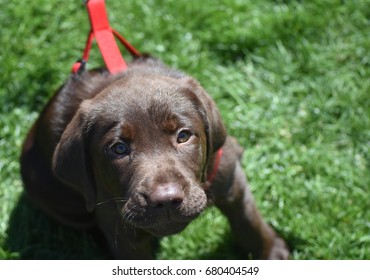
x: 167, y: 229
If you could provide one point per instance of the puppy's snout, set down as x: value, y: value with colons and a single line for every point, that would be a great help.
x: 166, y: 196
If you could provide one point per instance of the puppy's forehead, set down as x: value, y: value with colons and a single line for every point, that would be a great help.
x: 141, y: 97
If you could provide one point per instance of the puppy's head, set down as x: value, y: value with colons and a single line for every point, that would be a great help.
x: 144, y: 141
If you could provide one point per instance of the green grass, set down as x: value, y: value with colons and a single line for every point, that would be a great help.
x: 292, y: 81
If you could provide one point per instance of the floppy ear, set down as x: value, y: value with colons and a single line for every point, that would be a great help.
x: 71, y: 161
x: 215, y: 129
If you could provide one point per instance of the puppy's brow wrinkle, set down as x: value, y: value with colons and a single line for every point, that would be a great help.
x: 127, y: 131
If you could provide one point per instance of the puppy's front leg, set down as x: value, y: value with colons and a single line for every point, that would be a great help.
x: 253, y: 236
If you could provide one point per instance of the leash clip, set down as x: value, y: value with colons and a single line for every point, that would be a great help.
x: 105, y: 38
x: 79, y: 66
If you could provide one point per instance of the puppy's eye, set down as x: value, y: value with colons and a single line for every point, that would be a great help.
x: 183, y: 136
x: 120, y: 149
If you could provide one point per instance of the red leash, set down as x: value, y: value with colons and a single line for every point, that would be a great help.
x: 104, y: 36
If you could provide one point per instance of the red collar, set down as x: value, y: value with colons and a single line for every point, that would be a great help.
x: 104, y: 35
x: 216, y: 164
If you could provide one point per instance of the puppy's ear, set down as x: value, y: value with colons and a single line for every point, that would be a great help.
x: 215, y: 129
x: 71, y: 162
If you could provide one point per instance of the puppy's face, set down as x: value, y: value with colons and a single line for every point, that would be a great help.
x: 145, y: 142
x: 149, y: 151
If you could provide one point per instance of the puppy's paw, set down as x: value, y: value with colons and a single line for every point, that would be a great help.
x: 279, y: 250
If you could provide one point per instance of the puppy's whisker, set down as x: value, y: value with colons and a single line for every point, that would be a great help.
x: 128, y: 217
x: 115, y: 199
x: 131, y: 215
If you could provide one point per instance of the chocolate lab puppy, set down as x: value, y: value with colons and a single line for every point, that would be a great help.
x: 140, y: 155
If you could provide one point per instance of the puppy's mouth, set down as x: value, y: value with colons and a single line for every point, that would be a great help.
x: 159, y: 223
x: 167, y: 229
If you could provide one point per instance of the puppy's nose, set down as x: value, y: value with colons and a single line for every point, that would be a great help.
x: 166, y: 196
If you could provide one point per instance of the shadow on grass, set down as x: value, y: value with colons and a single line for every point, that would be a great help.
x: 33, y: 235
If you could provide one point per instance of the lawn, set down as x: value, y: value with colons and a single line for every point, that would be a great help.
x: 291, y: 79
